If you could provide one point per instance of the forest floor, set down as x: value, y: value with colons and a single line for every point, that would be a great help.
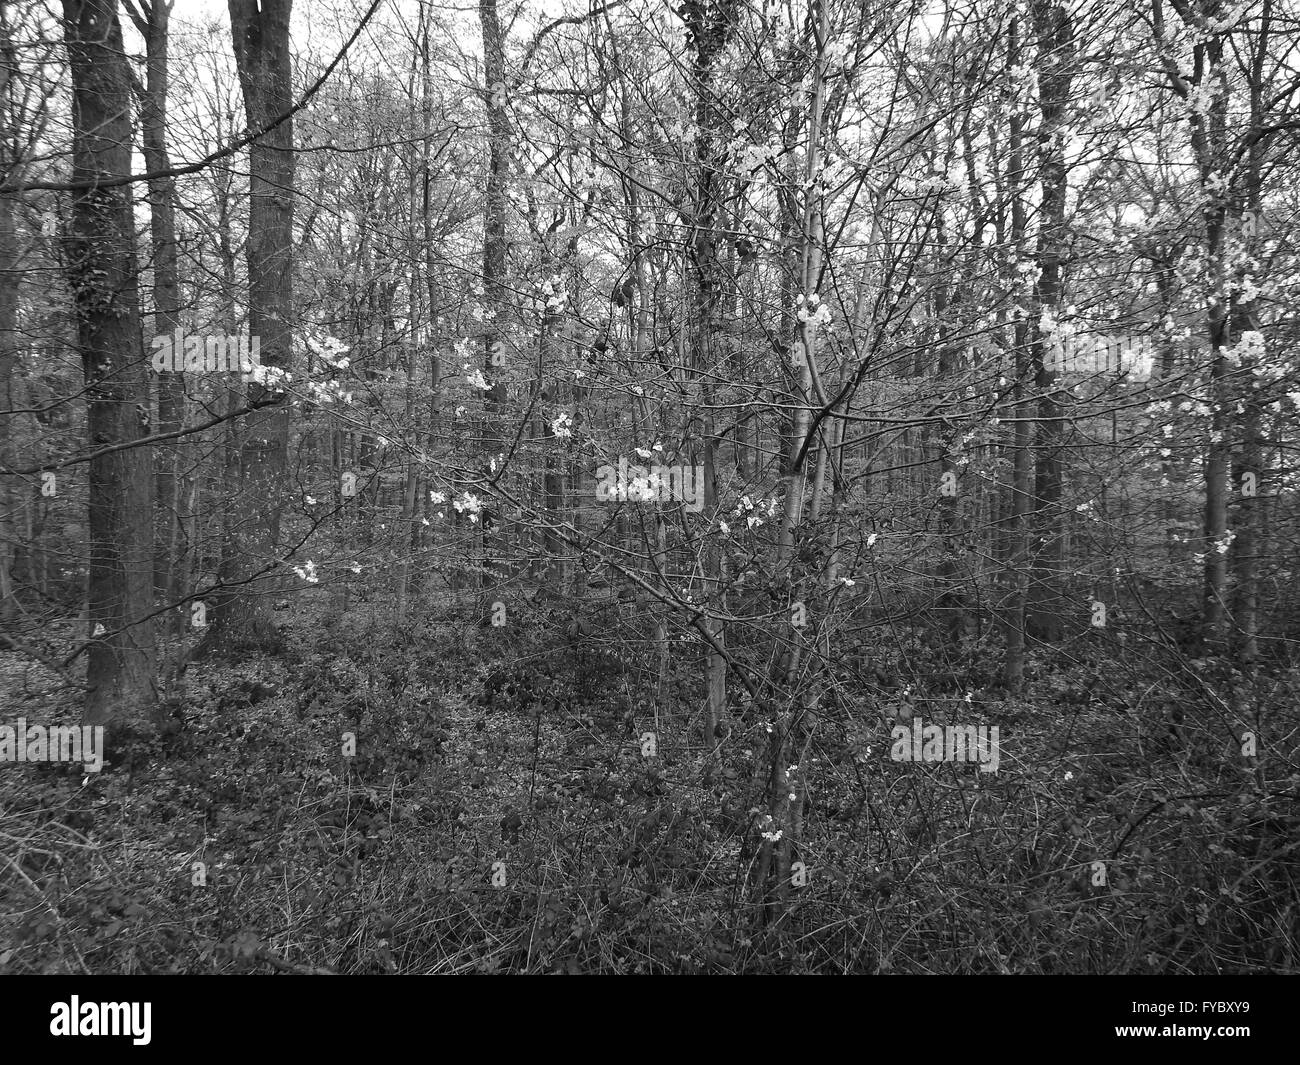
x: 499, y: 815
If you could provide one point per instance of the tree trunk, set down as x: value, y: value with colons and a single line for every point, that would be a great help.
x: 1209, y: 134
x: 1053, y: 58
x: 496, y: 97
x: 9, y: 490
x: 793, y: 732
x: 121, y: 688
x: 240, y: 617
x: 1248, y: 468
x: 153, y: 25
x: 1021, y: 505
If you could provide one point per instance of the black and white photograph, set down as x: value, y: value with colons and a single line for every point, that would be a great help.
x: 650, y: 487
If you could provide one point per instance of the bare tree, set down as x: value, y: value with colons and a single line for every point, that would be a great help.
x: 102, y: 267
x: 240, y: 616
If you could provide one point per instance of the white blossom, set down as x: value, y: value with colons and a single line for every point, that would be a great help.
x: 270, y: 376
x: 562, y: 426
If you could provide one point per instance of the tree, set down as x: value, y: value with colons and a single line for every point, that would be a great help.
x: 496, y: 94
x: 240, y: 616
x: 152, y: 21
x: 1054, y: 58
x: 8, y: 317
x: 102, y: 265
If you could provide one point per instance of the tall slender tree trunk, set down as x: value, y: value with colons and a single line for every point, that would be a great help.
x: 152, y: 21
x: 1209, y: 135
x: 121, y: 689
x: 1165, y: 279
x: 707, y: 289
x: 1054, y: 58
x: 792, y: 731
x: 240, y: 616
x: 952, y: 605
x: 9, y: 491
x: 1248, y: 466
x: 496, y: 97
x: 1021, y: 503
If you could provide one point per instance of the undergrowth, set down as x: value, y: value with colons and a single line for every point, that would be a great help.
x: 502, y: 818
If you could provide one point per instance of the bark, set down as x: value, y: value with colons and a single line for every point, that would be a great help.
x: 952, y: 603
x: 707, y: 289
x: 421, y: 297
x: 1209, y: 135
x: 1165, y: 278
x: 9, y: 489
x: 1054, y: 60
x: 240, y: 617
x: 496, y: 97
x: 792, y: 732
x: 120, y: 683
x: 152, y: 21
x: 1248, y: 466
x: 1021, y: 506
